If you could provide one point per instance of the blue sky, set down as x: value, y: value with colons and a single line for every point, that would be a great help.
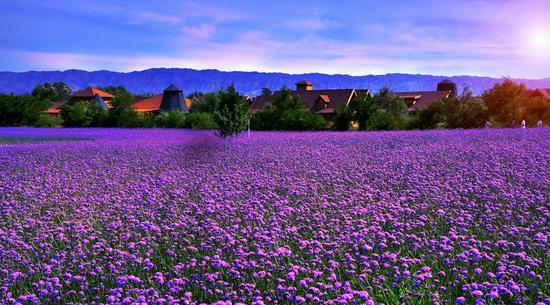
x: 491, y: 38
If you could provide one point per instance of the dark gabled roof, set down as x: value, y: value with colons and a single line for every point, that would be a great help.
x: 90, y: 92
x: 544, y: 92
x: 172, y: 87
x: 446, y: 81
x: 304, y: 82
x: 422, y: 98
x: 333, y: 97
x: 100, y: 102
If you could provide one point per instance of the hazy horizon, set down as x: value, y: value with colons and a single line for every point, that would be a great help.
x: 279, y: 72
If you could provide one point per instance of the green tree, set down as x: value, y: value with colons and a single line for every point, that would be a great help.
x: 122, y: 114
x: 383, y: 111
x: 266, y: 91
x: 362, y: 106
x: 286, y: 102
x: 342, y: 118
x: 285, y: 111
x: 116, y: 90
x: 232, y: 113
x: 537, y: 108
x: 58, y: 91
x: 83, y: 114
x: 17, y: 110
x: 199, y: 120
x: 170, y: 119
x: 504, y: 101
x: 464, y: 111
x: 391, y: 103
x: 207, y: 103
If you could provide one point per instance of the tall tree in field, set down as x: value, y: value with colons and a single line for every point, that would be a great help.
x: 391, y: 103
x: 232, y: 114
x: 504, y: 101
x: 58, y: 91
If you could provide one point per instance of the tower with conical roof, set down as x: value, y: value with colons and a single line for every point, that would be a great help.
x: 447, y: 85
x: 173, y: 100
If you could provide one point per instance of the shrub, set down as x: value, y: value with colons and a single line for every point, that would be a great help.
x: 83, y: 114
x: 199, y: 120
x: 301, y: 120
x: 46, y: 120
x: 382, y: 120
x: 170, y: 119
x: 231, y: 115
x: 17, y: 110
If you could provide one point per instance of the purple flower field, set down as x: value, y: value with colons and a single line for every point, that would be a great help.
x: 183, y: 217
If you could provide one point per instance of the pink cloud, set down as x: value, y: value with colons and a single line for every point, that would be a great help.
x: 156, y: 17
x: 203, y: 31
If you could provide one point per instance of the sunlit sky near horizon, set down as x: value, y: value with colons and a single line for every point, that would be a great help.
x: 473, y: 37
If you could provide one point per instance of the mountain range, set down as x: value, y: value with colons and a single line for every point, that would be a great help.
x: 249, y: 83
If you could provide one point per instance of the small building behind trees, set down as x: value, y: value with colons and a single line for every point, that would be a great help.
x: 323, y: 102
x: 88, y: 94
x: 171, y: 99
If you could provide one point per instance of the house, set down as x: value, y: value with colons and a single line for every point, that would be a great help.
x: 171, y: 99
x: 55, y: 108
x: 323, y: 102
x: 544, y: 93
x: 417, y: 100
x: 97, y: 96
x: 89, y: 93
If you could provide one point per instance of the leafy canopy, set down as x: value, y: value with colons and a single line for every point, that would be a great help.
x: 232, y: 113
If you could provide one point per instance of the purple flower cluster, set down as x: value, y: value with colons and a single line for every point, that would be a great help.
x: 183, y: 217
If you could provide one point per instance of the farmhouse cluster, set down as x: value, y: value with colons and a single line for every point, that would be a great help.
x: 320, y: 101
x: 325, y: 101
x: 171, y: 99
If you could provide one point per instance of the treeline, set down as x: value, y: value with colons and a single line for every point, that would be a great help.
x: 500, y: 106
x: 228, y: 111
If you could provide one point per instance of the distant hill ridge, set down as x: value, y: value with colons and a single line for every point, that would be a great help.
x: 249, y: 83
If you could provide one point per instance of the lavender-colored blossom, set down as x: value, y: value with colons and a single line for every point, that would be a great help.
x: 184, y: 217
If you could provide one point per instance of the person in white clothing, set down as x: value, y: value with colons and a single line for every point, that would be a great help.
x: 522, y: 124
x: 539, y: 124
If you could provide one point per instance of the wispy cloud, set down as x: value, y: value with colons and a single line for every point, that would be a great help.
x: 471, y: 37
x: 156, y: 17
x: 200, y: 32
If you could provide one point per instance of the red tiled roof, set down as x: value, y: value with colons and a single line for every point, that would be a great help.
x: 147, y: 104
x: 325, y: 98
x: 333, y: 97
x: 89, y: 92
x: 152, y: 103
x: 55, y: 108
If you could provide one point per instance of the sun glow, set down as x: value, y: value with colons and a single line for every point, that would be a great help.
x: 540, y: 40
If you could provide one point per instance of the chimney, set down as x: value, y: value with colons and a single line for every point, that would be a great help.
x: 447, y: 85
x: 304, y: 86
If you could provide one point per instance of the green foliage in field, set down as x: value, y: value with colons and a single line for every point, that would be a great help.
x: 286, y: 112
x: 21, y: 110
